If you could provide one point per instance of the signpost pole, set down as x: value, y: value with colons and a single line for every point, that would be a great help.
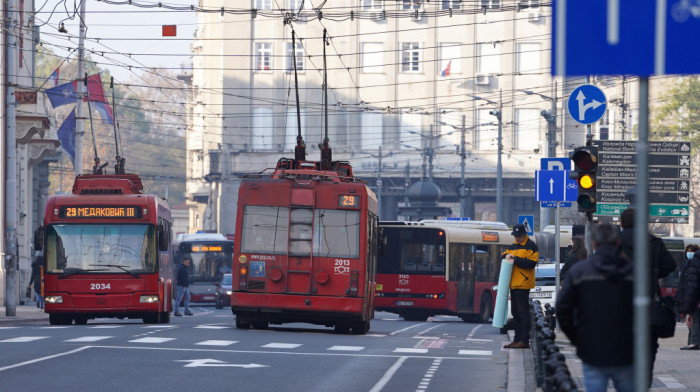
x: 642, y: 270
x: 557, y: 258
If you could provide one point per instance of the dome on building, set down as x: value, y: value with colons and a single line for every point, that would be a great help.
x: 423, y: 193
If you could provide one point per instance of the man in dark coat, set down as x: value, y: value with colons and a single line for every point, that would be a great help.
x: 662, y: 264
x: 595, y: 311
x: 689, y: 297
x: 183, y: 290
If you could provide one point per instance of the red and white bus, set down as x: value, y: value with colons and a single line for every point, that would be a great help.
x: 445, y: 267
x: 305, y: 249
x: 211, y: 255
x: 107, y: 252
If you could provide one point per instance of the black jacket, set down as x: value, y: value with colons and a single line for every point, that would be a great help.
x: 660, y: 256
x: 183, y: 276
x: 569, y: 261
x: 595, y: 309
x: 688, y: 293
x: 36, y: 277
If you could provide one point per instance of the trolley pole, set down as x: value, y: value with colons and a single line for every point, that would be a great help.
x: 81, y: 92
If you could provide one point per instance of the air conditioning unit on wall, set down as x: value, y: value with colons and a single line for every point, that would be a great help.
x: 483, y: 79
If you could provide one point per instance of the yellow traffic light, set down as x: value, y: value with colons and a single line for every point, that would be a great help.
x: 586, y: 181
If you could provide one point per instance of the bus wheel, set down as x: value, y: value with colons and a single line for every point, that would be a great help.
x: 164, y: 317
x: 360, y: 327
x: 260, y: 324
x: 485, y: 308
x: 415, y: 316
x: 59, y: 319
x: 342, y: 328
x: 150, y: 319
x: 81, y: 320
x: 242, y: 323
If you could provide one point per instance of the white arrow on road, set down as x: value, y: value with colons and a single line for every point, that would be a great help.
x: 582, y: 108
x: 551, y: 186
x: 216, y: 363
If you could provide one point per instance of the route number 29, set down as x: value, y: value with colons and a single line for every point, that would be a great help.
x: 100, y: 286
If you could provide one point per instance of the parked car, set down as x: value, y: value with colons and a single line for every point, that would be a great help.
x: 223, y: 291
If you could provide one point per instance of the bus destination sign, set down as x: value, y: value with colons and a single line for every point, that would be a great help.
x: 206, y: 248
x: 82, y: 212
x: 348, y: 201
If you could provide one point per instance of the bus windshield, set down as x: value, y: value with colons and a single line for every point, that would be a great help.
x: 101, y: 248
x: 210, y: 266
x: 412, y: 251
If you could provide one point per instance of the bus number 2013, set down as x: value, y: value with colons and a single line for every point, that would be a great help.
x: 100, y: 286
x: 342, y: 267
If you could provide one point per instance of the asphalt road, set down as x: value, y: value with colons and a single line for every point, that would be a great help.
x: 205, y: 352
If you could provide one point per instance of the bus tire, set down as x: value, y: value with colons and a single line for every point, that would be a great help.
x: 242, y: 323
x: 342, y: 328
x: 415, y: 316
x: 60, y: 319
x: 485, y: 308
x: 164, y: 317
x: 151, y: 318
x: 260, y: 324
x: 360, y: 327
x: 81, y: 320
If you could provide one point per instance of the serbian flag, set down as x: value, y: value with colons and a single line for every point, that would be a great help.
x: 54, y: 77
x: 446, y: 71
x: 66, y: 134
x: 97, y: 92
x: 105, y: 111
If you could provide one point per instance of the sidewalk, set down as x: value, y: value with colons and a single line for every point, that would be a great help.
x: 28, y: 313
x: 674, y: 369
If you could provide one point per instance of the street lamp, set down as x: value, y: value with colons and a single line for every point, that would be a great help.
x: 499, y: 167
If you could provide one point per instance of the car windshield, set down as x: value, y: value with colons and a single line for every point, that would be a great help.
x: 227, y: 280
x: 100, y: 248
x: 545, y: 276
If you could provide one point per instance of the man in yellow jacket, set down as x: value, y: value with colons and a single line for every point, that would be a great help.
x: 524, y: 255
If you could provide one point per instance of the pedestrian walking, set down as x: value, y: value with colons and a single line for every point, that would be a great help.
x: 595, y: 311
x: 183, y: 289
x: 524, y: 255
x: 577, y: 252
x: 36, y: 280
x: 662, y: 264
x: 686, y: 299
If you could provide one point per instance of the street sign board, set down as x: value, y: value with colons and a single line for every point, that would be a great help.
x: 553, y: 204
x: 669, y: 178
x: 624, y: 37
x: 528, y: 221
x: 554, y: 185
x: 587, y: 104
x: 555, y: 164
x: 571, y: 187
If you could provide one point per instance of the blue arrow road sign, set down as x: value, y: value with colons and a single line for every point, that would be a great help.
x: 625, y: 37
x: 555, y: 185
x: 555, y: 164
x: 587, y: 104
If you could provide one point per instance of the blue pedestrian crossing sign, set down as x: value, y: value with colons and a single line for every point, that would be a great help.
x: 528, y: 221
x: 587, y: 104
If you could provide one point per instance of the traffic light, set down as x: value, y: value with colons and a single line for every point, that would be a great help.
x: 585, y: 167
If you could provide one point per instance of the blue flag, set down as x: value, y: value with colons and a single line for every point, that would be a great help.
x: 66, y: 134
x: 62, y: 95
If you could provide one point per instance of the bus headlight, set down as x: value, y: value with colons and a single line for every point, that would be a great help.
x: 54, y: 299
x: 148, y: 299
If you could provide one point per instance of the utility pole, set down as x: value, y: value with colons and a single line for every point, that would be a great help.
x: 81, y: 91
x: 11, y: 258
x: 379, y: 185
x: 551, y: 152
x: 462, y: 182
x: 498, y: 113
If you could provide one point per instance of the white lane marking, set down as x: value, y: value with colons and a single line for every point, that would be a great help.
x: 411, y: 350
x: 56, y: 327
x: 345, y: 348
x: 428, y: 329
x: 428, y: 376
x: 405, y: 329
x: 473, y: 331
x: 388, y: 375
x: 211, y: 327
x: 151, y: 340
x: 480, y: 340
x: 670, y: 382
x: 217, y: 363
x: 88, y: 339
x: 8, y: 327
x: 375, y: 335
x: 106, y: 326
x: 23, y: 339
x: 43, y: 358
x: 475, y: 352
x: 217, y: 342
x: 158, y: 326
x: 281, y: 345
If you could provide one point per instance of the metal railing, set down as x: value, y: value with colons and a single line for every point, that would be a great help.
x: 551, y: 372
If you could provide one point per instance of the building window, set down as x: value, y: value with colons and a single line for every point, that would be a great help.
x: 489, y: 58
x: 263, y: 4
x: 410, y: 57
x: 491, y: 4
x: 451, y: 4
x: 372, y: 5
x: 371, y: 130
x: 299, y: 55
x: 262, y: 128
x: 412, y: 4
x: 372, y: 55
x: 527, y: 129
x: 487, y: 131
x: 532, y: 4
x: 411, y: 131
x: 263, y: 56
x: 292, y: 127
x: 450, y: 59
x: 528, y: 57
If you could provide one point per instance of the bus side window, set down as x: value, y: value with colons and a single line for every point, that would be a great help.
x: 481, y: 262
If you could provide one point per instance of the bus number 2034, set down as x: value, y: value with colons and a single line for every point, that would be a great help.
x: 100, y: 286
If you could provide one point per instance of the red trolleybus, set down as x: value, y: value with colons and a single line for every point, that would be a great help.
x: 305, y: 250
x: 211, y: 255
x: 107, y: 252
x: 431, y: 268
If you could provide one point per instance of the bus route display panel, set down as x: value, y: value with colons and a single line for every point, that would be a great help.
x: 348, y: 201
x: 109, y: 212
x: 206, y: 248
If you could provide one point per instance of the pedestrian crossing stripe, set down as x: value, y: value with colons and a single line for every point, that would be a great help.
x: 23, y: 339
x: 212, y: 327
x: 345, y: 348
x: 475, y: 352
x: 88, y: 339
x: 411, y: 350
x: 151, y: 340
x: 281, y: 345
x: 217, y: 342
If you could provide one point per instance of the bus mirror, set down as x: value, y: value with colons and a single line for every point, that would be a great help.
x: 163, y: 239
x: 39, y: 238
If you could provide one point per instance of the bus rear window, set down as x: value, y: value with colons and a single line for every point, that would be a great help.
x: 265, y: 230
x: 415, y: 251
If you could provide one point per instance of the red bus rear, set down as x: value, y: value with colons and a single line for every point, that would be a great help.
x: 107, y: 252
x: 305, y: 248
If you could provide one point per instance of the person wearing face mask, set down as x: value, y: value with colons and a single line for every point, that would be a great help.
x: 686, y: 299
